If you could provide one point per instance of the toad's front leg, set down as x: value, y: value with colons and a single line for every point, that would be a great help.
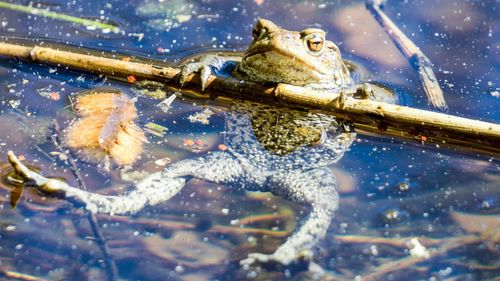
x: 208, y: 65
x: 317, y: 188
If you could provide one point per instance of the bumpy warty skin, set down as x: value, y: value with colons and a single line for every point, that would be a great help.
x: 299, y: 175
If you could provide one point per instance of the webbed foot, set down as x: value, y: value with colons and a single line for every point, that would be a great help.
x: 43, y: 184
x: 207, y: 65
x: 194, y: 67
x: 152, y: 190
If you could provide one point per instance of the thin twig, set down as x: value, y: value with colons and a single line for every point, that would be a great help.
x: 418, y: 60
x: 401, y: 242
x: 367, y: 116
x: 49, y: 14
x: 13, y: 275
x: 110, y: 265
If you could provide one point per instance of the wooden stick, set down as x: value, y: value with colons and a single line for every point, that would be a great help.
x: 369, y: 117
x: 109, y: 263
x: 418, y: 60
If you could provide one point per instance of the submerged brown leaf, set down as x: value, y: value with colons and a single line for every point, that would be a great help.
x: 187, y: 247
x: 488, y: 226
x: 104, y: 132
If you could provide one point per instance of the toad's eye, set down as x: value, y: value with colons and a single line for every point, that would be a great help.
x: 255, y: 32
x: 258, y: 32
x: 315, y: 43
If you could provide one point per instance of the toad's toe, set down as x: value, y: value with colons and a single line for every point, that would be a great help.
x: 195, y: 67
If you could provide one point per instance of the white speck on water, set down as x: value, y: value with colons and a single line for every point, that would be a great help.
x: 179, y: 269
x: 15, y: 103
x: 445, y: 272
x: 10, y: 228
x: 417, y: 249
x: 252, y: 274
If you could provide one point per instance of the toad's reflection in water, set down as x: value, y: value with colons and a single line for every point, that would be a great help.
x: 282, y: 151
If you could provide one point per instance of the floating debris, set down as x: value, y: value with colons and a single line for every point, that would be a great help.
x: 165, y: 15
x: 403, y: 186
x: 105, y: 132
x: 62, y: 156
x: 162, y: 162
x: 139, y: 36
x: 131, y: 79
x: 195, y: 146
x: 48, y: 93
x: 394, y: 216
x: 162, y: 50
x: 150, y: 89
x: 487, y: 204
x: 417, y: 249
x: 201, y: 117
x: 14, y: 103
x: 167, y: 103
x: 188, y: 142
x: 155, y: 129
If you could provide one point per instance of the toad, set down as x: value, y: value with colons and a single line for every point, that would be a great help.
x: 282, y: 151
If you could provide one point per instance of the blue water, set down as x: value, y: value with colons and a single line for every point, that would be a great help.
x: 182, y: 239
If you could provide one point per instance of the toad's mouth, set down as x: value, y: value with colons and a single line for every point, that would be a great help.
x: 266, y: 51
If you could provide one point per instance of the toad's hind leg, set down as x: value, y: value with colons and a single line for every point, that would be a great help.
x: 317, y: 188
x: 219, y: 167
x: 154, y: 189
